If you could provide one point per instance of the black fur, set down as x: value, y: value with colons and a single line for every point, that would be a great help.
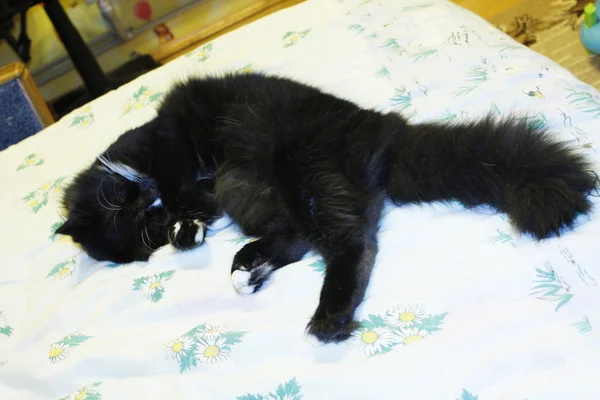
x: 304, y: 170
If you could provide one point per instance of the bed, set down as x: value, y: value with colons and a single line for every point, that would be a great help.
x: 459, y: 305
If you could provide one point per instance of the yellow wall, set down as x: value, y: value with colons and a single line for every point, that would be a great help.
x: 47, y: 48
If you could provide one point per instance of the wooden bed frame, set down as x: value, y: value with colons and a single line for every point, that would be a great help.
x: 180, y: 46
x: 18, y: 71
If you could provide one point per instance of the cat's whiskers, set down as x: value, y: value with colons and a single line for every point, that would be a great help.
x: 195, y: 212
x: 104, y: 195
x: 119, y: 196
x: 148, y: 236
x: 250, y: 108
x: 99, y: 190
x: 115, y: 220
x: 144, y: 240
x: 228, y: 119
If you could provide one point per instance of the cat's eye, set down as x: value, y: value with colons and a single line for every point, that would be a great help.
x: 131, y: 193
x: 205, y: 184
x: 120, y: 193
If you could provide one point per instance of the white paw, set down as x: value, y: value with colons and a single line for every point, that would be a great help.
x: 241, y: 282
x: 176, y: 228
x: 199, y: 238
x: 247, y: 282
x: 219, y: 225
x: 312, y: 341
x: 162, y: 252
x: 187, y: 234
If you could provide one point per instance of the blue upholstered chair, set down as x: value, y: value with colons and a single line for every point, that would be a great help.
x: 23, y: 111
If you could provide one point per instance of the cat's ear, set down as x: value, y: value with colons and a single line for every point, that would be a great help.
x: 73, y: 227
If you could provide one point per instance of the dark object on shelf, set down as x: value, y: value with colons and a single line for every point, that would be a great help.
x: 120, y: 76
x: 81, y: 55
x: 10, y: 8
x: 22, y: 45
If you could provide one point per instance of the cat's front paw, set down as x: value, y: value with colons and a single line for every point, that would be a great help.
x: 187, y: 234
x: 251, y: 268
x: 249, y: 279
x: 331, y: 329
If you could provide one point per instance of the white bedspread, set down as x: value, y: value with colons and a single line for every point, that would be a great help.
x: 459, y: 306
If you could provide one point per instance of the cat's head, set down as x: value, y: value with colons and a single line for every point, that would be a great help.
x: 114, y: 212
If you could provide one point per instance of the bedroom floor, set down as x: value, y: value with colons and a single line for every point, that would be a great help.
x: 548, y: 27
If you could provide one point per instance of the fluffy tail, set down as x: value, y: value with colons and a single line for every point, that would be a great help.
x: 540, y: 183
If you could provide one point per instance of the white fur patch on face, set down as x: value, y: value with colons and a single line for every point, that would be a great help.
x: 199, y: 238
x: 241, y: 278
x: 204, y: 175
x: 157, y: 203
x: 121, y: 169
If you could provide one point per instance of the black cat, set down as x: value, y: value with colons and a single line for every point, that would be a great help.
x: 305, y: 170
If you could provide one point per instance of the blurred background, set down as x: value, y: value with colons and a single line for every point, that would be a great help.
x: 122, y: 39
x: 126, y: 38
